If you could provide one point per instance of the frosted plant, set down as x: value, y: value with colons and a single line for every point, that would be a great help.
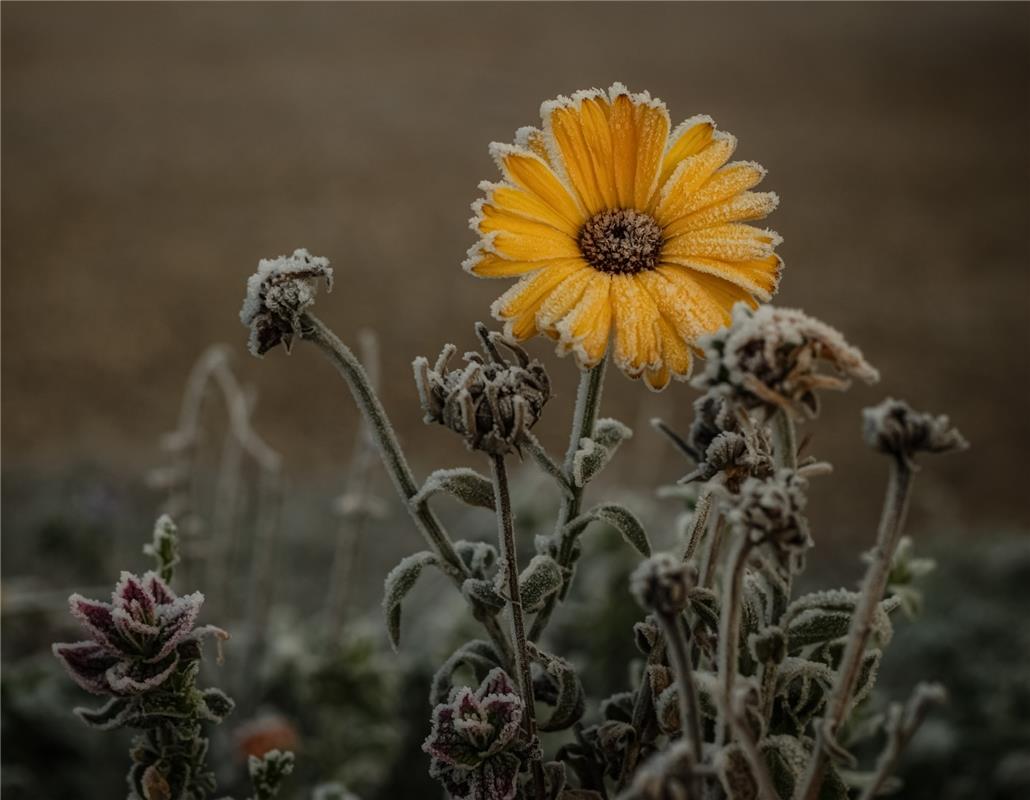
x: 628, y: 241
x: 143, y: 654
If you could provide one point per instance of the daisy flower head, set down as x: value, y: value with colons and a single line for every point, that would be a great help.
x: 623, y: 232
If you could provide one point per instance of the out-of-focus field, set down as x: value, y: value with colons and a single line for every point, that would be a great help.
x: 153, y: 153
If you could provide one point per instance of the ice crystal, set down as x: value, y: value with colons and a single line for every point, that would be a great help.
x: 475, y: 744
x: 278, y: 294
x: 771, y: 357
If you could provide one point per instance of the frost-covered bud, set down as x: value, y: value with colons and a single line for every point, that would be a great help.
x: 475, y: 745
x: 278, y: 294
x: 770, y: 510
x: 490, y: 401
x: 665, y: 776
x: 136, y: 641
x: 893, y: 427
x: 770, y: 358
x: 662, y: 583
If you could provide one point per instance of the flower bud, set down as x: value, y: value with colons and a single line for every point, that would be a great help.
x: 770, y: 510
x: 893, y: 427
x: 662, y: 583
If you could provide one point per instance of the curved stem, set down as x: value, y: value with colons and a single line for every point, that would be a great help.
x: 729, y: 633
x: 506, y: 534
x: 873, y: 586
x: 588, y: 401
x: 341, y: 357
x: 690, y: 707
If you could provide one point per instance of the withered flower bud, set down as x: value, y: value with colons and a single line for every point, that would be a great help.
x: 662, y: 583
x: 491, y: 402
x: 895, y: 428
x: 770, y: 358
x: 770, y: 510
x: 278, y: 294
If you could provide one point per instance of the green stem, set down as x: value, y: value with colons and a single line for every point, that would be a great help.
x: 506, y: 534
x: 874, y: 584
x: 729, y: 633
x: 785, y: 440
x: 588, y: 402
x: 341, y: 357
x: 689, y: 706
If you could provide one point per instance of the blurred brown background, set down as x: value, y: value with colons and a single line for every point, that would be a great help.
x: 153, y: 153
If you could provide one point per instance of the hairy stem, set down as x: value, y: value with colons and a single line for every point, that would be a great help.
x: 689, y: 706
x: 785, y: 440
x: 588, y: 402
x: 698, y: 524
x: 729, y: 633
x: 506, y: 534
x: 873, y: 586
x: 341, y: 357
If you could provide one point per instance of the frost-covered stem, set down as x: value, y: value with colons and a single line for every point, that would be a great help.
x: 900, y: 730
x: 698, y: 524
x: 785, y: 440
x: 716, y: 524
x: 746, y: 740
x: 874, y: 584
x: 506, y: 534
x: 315, y: 331
x: 545, y: 462
x: 588, y: 402
x: 679, y: 654
x: 729, y: 633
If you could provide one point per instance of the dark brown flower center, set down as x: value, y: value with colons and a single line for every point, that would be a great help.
x: 621, y: 241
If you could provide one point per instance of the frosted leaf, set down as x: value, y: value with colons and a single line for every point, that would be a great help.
x: 620, y: 518
x: 597, y: 450
x: 541, y: 579
x: 565, y: 694
x: 463, y: 483
x: 401, y: 580
x: 278, y: 294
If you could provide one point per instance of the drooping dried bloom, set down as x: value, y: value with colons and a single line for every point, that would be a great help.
x: 662, y: 583
x: 277, y: 294
x: 893, y: 427
x: 475, y: 743
x: 770, y: 510
x: 618, y: 226
x: 490, y: 401
x: 771, y: 357
x: 137, y: 640
x: 727, y: 443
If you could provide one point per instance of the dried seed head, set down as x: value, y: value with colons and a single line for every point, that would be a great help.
x: 727, y: 443
x: 278, y: 293
x: 893, y: 427
x: 621, y: 241
x: 770, y: 510
x: 662, y: 583
x: 770, y: 358
x: 491, y: 402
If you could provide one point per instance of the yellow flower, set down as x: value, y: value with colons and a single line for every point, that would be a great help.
x: 620, y: 229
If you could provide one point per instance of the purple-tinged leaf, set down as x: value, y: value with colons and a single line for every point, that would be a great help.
x: 158, y: 589
x: 177, y: 621
x: 136, y: 677
x: 134, y: 631
x: 496, y: 779
x: 496, y: 682
x: 98, y: 620
x: 130, y: 595
x: 113, y: 714
x: 87, y: 663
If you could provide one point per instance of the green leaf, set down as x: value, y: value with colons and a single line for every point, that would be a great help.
x: 114, y: 714
x: 541, y: 578
x: 216, y: 704
x: 466, y: 484
x: 597, y: 450
x: 482, y: 593
x: 620, y: 518
x: 477, y: 654
x: 570, y: 703
x: 786, y: 759
x: 398, y: 583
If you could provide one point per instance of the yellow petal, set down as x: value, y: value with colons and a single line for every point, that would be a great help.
x: 579, y: 129
x: 759, y: 276
x: 563, y: 299
x: 725, y: 182
x: 690, y: 138
x: 521, y: 203
x: 517, y: 307
x: 484, y: 264
x: 678, y: 191
x: 520, y: 239
x: 636, y: 326
x: 652, y: 124
x: 526, y: 169
x: 624, y: 148
x: 533, y: 139
x: 585, y: 330
x: 744, y: 206
x: 710, y: 298
x: 679, y: 302
x: 658, y: 378
x: 732, y: 242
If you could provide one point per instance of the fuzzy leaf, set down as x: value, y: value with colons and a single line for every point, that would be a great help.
x: 479, y: 557
x: 217, y: 705
x: 466, y: 484
x: 477, y: 654
x: 813, y: 618
x: 541, y: 578
x: 114, y: 714
x: 268, y: 773
x: 597, y: 450
x: 482, y: 593
x: 570, y: 703
x: 735, y: 774
x: 398, y: 583
x: 786, y: 759
x: 620, y: 518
